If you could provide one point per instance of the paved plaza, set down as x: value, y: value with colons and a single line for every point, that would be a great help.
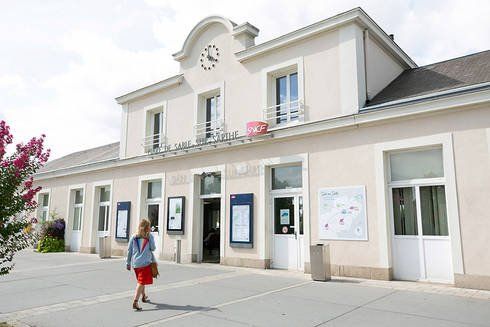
x: 67, y: 289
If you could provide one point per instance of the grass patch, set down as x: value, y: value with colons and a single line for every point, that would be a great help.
x: 4, y: 324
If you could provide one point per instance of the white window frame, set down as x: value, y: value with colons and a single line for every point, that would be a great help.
x: 42, y: 208
x: 200, y: 108
x: 265, y: 229
x: 383, y: 188
x: 154, y: 201
x: 71, y: 205
x: 106, y: 204
x: 269, y: 76
x: 142, y: 203
x: 148, y: 121
x: 416, y: 184
x: 95, y: 212
x: 210, y: 195
x: 292, y: 190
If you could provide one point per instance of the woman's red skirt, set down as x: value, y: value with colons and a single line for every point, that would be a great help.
x: 144, y: 275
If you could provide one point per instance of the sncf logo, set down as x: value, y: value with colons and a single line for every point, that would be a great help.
x: 256, y: 128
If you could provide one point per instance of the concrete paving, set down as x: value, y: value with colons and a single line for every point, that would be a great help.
x: 67, y: 289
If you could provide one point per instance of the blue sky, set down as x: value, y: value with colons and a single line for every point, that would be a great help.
x: 63, y: 62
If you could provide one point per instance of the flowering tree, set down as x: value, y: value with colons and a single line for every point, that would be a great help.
x: 17, y: 194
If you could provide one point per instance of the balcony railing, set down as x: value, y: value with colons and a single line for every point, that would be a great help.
x: 284, y: 113
x: 209, y: 128
x: 153, y: 142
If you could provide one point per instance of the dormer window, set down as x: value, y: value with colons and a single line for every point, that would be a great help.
x: 155, y: 129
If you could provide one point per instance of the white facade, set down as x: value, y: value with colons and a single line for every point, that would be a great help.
x: 187, y: 135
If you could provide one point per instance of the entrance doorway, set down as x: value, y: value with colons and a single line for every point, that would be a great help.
x: 77, y: 216
x: 211, y: 214
x: 153, y: 211
x: 421, y: 240
x: 288, y: 236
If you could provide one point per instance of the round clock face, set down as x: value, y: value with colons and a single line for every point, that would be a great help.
x: 209, y: 57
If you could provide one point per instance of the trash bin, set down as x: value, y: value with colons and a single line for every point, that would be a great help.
x: 320, y: 262
x: 104, y: 247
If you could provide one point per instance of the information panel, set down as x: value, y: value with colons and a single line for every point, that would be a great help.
x: 176, y: 215
x: 122, y: 220
x: 241, y: 216
x: 342, y: 213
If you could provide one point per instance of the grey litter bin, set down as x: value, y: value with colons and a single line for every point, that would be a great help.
x: 104, y: 247
x: 320, y: 262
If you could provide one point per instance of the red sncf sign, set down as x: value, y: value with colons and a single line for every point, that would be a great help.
x: 256, y: 128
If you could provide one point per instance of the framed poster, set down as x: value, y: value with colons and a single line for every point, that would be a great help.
x: 241, y: 220
x: 342, y: 213
x: 122, y: 220
x: 176, y: 215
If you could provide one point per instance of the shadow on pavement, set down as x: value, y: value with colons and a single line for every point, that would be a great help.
x: 165, y: 306
x: 344, y: 281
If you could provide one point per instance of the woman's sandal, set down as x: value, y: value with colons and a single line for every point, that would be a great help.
x: 145, y: 299
x: 136, y: 306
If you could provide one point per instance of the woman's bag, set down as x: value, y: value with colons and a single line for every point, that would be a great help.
x: 154, y: 270
x: 154, y: 266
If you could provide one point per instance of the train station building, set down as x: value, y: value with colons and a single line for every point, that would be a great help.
x: 328, y: 134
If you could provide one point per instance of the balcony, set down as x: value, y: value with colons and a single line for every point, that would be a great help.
x: 209, y: 129
x: 284, y: 114
x: 153, y: 142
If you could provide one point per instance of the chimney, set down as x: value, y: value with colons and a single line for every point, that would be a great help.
x: 244, y: 36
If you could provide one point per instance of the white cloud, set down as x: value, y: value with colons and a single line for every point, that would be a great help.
x: 64, y: 62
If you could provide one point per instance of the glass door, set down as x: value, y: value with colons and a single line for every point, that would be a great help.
x: 76, y: 234
x: 288, y: 250
x: 421, y: 247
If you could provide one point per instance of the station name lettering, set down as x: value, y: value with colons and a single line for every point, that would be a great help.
x: 189, y: 144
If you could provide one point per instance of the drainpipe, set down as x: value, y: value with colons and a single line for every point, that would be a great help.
x: 365, y: 35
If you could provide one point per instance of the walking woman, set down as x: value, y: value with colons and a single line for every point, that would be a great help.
x: 140, y: 256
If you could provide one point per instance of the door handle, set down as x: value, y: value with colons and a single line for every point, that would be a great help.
x: 295, y: 235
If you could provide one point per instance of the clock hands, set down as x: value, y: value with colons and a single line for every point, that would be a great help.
x: 210, y: 54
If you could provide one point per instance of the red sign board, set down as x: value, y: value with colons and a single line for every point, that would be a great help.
x: 255, y: 128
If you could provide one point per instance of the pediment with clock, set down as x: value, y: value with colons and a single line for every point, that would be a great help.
x: 212, y: 43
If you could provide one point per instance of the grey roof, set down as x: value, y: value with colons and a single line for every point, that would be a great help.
x: 101, y: 153
x: 454, y: 73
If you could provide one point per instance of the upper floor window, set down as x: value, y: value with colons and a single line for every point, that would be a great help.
x: 155, y: 129
x: 210, y: 120
x: 287, y: 105
x: 213, y: 115
x: 284, y: 93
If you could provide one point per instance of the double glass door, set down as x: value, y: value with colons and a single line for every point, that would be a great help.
x: 421, y: 242
x: 288, y: 238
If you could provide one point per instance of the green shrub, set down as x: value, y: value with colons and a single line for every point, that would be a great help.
x: 51, y: 244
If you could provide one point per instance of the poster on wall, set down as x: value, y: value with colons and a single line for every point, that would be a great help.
x: 342, y: 213
x: 284, y: 215
x: 122, y: 220
x: 241, y: 224
x: 175, y: 215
